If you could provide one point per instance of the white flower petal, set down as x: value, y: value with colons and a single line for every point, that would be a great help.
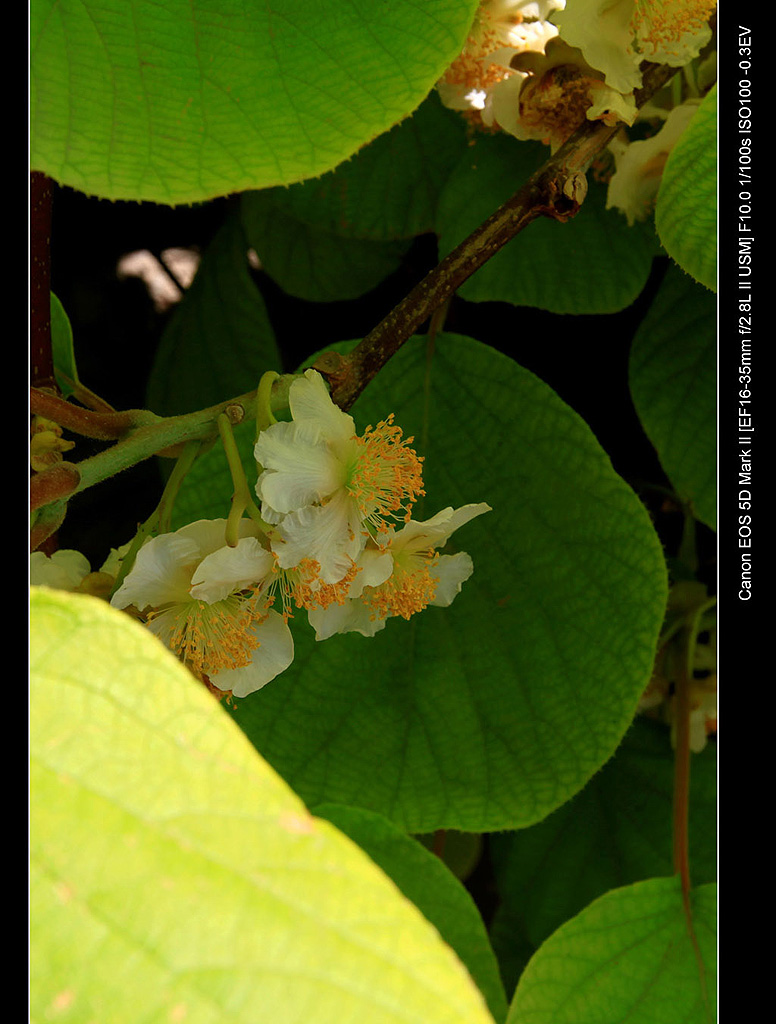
x: 615, y: 36
x: 209, y: 534
x: 161, y: 573
x: 453, y: 571
x: 229, y: 570
x: 351, y: 617
x: 330, y: 534
x: 309, y: 400
x: 418, y: 535
x: 273, y: 656
x: 112, y: 563
x: 639, y: 166
x: 505, y: 103
x: 601, y: 30
x: 299, y: 467
x: 375, y: 566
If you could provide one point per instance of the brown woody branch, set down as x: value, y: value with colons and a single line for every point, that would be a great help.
x: 556, y: 190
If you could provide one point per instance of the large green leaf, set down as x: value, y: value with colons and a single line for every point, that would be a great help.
x: 594, y: 263
x: 627, y: 957
x: 189, y: 99
x: 310, y: 262
x: 686, y: 210
x: 337, y: 237
x: 430, y: 885
x: 175, y: 877
x: 390, y: 188
x: 673, y: 380
x: 616, y: 831
x: 491, y: 713
x: 219, y: 341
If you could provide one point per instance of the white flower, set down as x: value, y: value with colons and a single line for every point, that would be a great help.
x: 517, y: 74
x: 70, y: 570
x: 350, y: 614
x: 403, y: 577
x: 481, y: 80
x: 64, y: 570
x: 328, y: 490
x: 617, y: 35
x: 560, y: 92
x: 209, y: 604
x: 639, y: 165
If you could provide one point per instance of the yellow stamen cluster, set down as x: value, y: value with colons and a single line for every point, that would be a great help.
x: 321, y: 595
x: 303, y: 586
x: 409, y: 589
x: 211, y: 638
x: 658, y: 25
x: 388, y: 474
x: 472, y: 69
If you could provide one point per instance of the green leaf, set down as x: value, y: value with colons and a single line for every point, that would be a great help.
x: 435, y: 891
x: 62, y: 346
x: 313, y: 263
x: 616, y: 831
x: 219, y: 341
x: 594, y: 263
x: 491, y: 713
x: 628, y: 956
x: 460, y: 851
x: 174, y: 876
x: 182, y: 101
x: 387, y: 190
x: 511, y: 945
x: 686, y: 209
x: 673, y: 380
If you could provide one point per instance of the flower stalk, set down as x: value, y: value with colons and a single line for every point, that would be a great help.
x: 242, y: 500
x: 691, y: 628
x: 138, y: 435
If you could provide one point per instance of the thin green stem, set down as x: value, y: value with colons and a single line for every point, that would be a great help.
x: 183, y: 464
x: 141, y: 435
x: 160, y: 519
x: 688, y: 73
x: 682, y: 758
x: 242, y: 500
x: 688, y: 550
x: 682, y: 780
x: 147, y: 529
x: 264, y: 416
x: 436, y: 324
x: 691, y: 625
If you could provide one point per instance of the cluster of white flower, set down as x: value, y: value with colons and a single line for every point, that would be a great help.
x: 335, y: 500
x: 338, y: 541
x: 518, y: 74
x: 537, y: 69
